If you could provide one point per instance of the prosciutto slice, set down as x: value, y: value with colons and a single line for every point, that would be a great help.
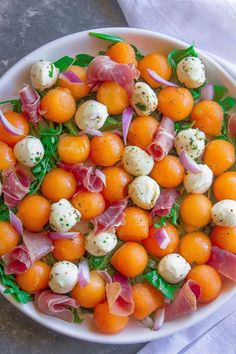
x: 113, y: 216
x: 185, y: 301
x: 38, y: 244
x: 15, y: 185
x: 17, y: 261
x: 163, y: 141
x: 224, y: 262
x: 56, y: 305
x: 102, y: 68
x: 88, y: 177
x: 30, y: 100
x: 165, y: 201
x: 119, y: 296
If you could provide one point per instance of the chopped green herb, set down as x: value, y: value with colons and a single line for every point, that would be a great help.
x: 158, y: 282
x: 219, y: 92
x: 12, y: 288
x: 227, y: 103
x: 179, y: 126
x: 50, y: 73
x: 176, y: 55
x: 141, y: 106
x: 173, y: 216
x: 63, y: 63
x: 106, y: 37
x: 83, y: 60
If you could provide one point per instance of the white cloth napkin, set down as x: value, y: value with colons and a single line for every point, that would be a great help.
x: 211, y: 24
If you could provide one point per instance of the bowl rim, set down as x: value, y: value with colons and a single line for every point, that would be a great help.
x: 88, y: 336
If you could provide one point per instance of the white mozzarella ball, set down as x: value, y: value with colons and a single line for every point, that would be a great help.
x: 191, y: 72
x: 192, y: 141
x: 198, y: 182
x: 29, y: 151
x: 136, y: 161
x: 102, y: 243
x: 91, y: 115
x: 63, y: 216
x: 144, y: 192
x: 63, y: 277
x: 143, y: 99
x: 43, y: 75
x: 224, y: 213
x: 173, y: 268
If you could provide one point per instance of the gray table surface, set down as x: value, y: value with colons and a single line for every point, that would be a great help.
x: 24, y: 26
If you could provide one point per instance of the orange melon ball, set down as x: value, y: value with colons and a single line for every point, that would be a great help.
x: 158, y: 63
x: 117, y: 181
x: 225, y: 186
x: 89, y: 204
x: 9, y: 237
x: 142, y: 131
x: 169, y: 172
x: 135, y: 226
x: 219, y: 155
x: 7, y: 157
x: 175, y: 102
x: 73, y: 149
x: 224, y: 237
x: 35, y: 279
x: 58, y: 105
x: 208, y: 117
x: 112, y: 95
x: 195, y: 247
x: 69, y: 249
x: 195, y: 210
x: 18, y: 121
x: 208, y: 279
x: 122, y: 52
x: 77, y: 90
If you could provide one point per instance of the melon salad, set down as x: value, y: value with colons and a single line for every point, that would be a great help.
x: 118, y: 187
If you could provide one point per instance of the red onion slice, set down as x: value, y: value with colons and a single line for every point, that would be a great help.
x: 188, y: 163
x: 71, y: 76
x: 8, y: 126
x: 159, y: 317
x: 92, y: 132
x: 126, y: 120
x: 106, y: 276
x: 207, y: 92
x: 162, y: 238
x: 159, y: 79
x: 16, y: 222
x: 62, y: 235
x: 84, y: 274
x: 232, y: 126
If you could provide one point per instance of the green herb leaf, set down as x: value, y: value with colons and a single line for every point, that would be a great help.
x: 219, y: 92
x: 179, y: 126
x: 176, y: 55
x: 224, y: 130
x: 173, y: 217
x: 77, y: 318
x: 12, y: 288
x: 16, y: 104
x: 50, y: 73
x: 195, y: 93
x: 4, y: 211
x: 63, y: 63
x: 107, y: 37
x: 98, y: 262
x: 71, y: 127
x: 227, y: 103
x: 138, y: 54
x: 83, y: 60
x: 112, y: 123
x: 158, y: 282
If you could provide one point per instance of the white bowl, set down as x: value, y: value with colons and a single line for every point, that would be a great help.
x: 81, y: 42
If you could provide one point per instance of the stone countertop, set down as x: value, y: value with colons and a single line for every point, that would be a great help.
x: 24, y: 26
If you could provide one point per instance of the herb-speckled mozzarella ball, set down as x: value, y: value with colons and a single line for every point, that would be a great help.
x: 173, y: 268
x: 63, y: 277
x: 43, y: 75
x: 136, y: 161
x: 143, y: 99
x: 29, y: 151
x: 224, y: 213
x: 101, y: 243
x: 191, y: 72
x: 63, y: 216
x: 144, y: 192
x: 91, y: 115
x: 198, y: 182
x: 192, y: 141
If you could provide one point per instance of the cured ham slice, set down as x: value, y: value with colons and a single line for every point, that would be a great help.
x: 224, y: 262
x: 102, y: 68
x: 163, y: 141
x: 119, y: 296
x: 30, y: 100
x: 56, y: 305
x: 17, y: 261
x: 185, y: 301
x: 38, y: 244
x: 165, y: 202
x: 113, y: 216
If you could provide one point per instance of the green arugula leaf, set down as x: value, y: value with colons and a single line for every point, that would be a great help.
x: 12, y: 288
x: 219, y: 92
x: 77, y: 318
x: 107, y: 37
x: 138, y: 54
x: 4, y: 211
x: 98, y: 262
x: 71, y: 127
x: 176, y: 55
x: 50, y: 73
x: 16, y: 104
x: 63, y: 63
x: 195, y: 93
x: 112, y: 123
x: 179, y: 126
x: 224, y: 130
x: 173, y: 217
x: 227, y: 103
x: 83, y: 60
x: 168, y: 290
